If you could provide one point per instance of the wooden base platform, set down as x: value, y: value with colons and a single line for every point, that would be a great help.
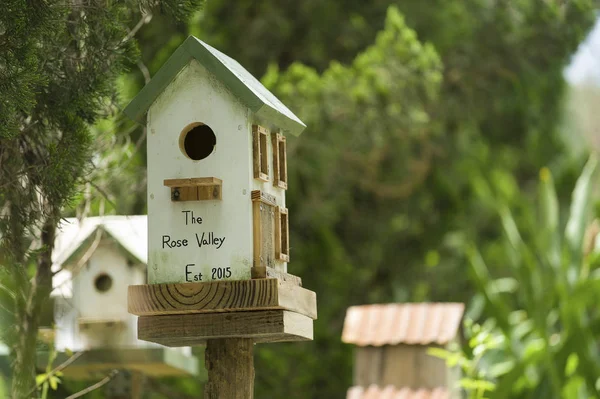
x: 196, y: 328
x: 154, y: 362
x: 265, y: 310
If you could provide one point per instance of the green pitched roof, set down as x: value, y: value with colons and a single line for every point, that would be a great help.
x: 241, y: 83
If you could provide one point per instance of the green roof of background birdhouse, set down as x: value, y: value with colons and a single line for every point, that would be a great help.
x: 235, y: 77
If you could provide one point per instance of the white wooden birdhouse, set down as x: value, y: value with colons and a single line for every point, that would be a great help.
x: 218, y: 227
x: 392, y: 343
x: 95, y: 261
x: 217, y: 169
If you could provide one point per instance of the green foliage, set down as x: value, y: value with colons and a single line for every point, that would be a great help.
x: 482, y: 343
x: 312, y: 32
x: 539, y: 338
x: 58, y: 65
x: 375, y: 113
x: 388, y: 183
x: 391, y: 174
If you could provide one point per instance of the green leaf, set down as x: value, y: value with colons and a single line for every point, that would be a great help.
x: 549, y: 219
x: 548, y: 201
x: 482, y: 277
x: 534, y: 349
x: 477, y: 385
x: 574, y: 388
x: 510, y: 229
x: 439, y: 353
x: 580, y: 206
x: 572, y: 363
x: 40, y: 378
x: 501, y: 368
x: 504, y: 285
x: 54, y: 381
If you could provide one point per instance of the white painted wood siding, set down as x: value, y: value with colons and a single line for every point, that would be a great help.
x: 197, y: 96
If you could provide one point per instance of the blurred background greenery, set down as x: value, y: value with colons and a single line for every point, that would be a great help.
x: 439, y: 164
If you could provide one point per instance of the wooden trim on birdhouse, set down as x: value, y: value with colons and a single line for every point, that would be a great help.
x: 195, y: 189
x: 282, y: 235
x: 263, y: 220
x: 257, y: 195
x: 279, y: 161
x: 260, y: 158
x: 279, y: 275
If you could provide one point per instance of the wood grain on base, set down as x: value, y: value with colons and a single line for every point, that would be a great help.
x: 220, y: 296
x: 196, y: 328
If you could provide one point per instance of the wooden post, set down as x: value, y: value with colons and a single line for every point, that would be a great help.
x: 230, y: 366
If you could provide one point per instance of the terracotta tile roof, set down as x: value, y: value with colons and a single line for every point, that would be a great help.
x: 390, y: 392
x: 410, y: 323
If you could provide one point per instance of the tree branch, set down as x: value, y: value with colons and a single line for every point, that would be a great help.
x: 97, y: 385
x: 103, y: 193
x: 143, y: 21
x: 145, y: 71
x: 58, y: 368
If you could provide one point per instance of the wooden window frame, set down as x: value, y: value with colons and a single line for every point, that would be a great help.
x: 260, y: 137
x: 280, y: 175
x: 264, y: 208
x: 282, y: 234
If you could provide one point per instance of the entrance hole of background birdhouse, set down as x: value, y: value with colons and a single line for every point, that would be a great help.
x: 197, y: 141
x: 103, y: 282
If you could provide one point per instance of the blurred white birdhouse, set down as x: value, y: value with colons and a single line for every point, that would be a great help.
x: 95, y: 261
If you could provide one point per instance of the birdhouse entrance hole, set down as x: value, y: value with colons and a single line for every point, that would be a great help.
x: 103, y: 282
x: 197, y: 141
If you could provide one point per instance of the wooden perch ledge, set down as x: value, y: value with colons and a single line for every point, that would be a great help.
x: 195, y: 189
